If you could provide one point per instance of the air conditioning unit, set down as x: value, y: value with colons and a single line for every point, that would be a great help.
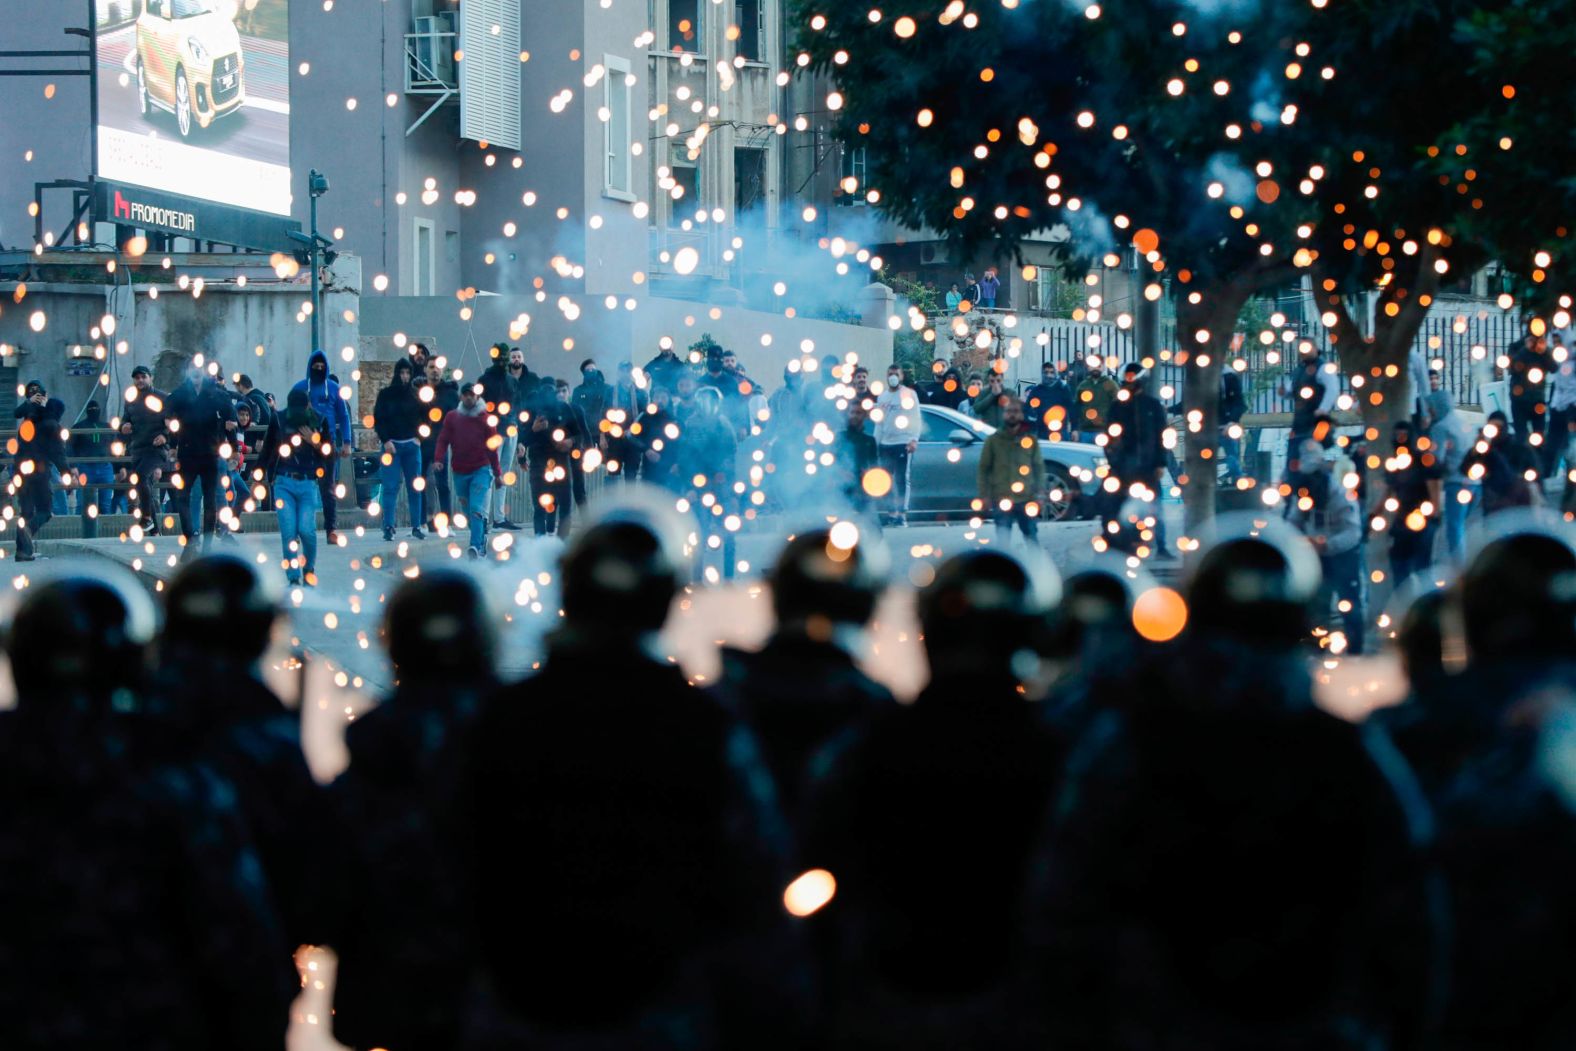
x: 435, y: 42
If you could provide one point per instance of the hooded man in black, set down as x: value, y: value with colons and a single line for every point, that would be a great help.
x: 397, y: 416
x: 92, y: 448
x: 132, y: 903
x: 927, y: 815
x: 641, y: 812
x: 205, y: 426
x: 406, y: 937
x: 1230, y: 867
x: 39, y: 450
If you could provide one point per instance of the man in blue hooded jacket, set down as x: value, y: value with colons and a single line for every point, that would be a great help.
x: 323, y: 391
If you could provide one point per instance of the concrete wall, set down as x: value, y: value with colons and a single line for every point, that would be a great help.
x: 253, y: 330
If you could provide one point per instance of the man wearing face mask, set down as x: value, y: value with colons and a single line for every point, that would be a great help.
x: 327, y: 398
x: 898, y: 427
x: 90, y: 450
x: 1324, y: 509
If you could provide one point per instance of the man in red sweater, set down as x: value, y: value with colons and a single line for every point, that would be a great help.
x: 469, y: 433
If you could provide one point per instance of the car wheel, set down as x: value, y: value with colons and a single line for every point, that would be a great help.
x: 1057, y: 481
x: 142, y: 87
x: 183, y: 104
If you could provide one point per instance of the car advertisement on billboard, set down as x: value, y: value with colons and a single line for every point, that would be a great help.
x: 194, y: 99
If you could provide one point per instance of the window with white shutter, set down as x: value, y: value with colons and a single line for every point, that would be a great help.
x: 490, y: 72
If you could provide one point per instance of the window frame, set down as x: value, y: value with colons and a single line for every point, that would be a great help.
x: 615, y: 81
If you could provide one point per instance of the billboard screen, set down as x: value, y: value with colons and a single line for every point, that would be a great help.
x: 194, y: 99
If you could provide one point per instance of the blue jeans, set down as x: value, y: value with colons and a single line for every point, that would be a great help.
x: 96, y: 492
x: 405, y: 461
x: 1231, y: 452
x: 472, y: 490
x: 1456, y: 517
x: 295, y: 502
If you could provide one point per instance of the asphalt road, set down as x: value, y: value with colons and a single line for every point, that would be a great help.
x: 260, y: 131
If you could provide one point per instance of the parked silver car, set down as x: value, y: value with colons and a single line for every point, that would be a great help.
x: 944, y: 473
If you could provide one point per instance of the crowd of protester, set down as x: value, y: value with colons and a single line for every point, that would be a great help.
x: 1073, y: 837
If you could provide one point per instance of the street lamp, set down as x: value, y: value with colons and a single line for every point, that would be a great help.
x: 317, y: 250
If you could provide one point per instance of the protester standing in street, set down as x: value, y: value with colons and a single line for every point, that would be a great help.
x: 1048, y: 405
x: 441, y: 396
x: 987, y: 405
x: 1325, y: 511
x: 1137, y: 450
x: 1449, y: 443
x: 397, y: 416
x: 506, y: 387
x: 1011, y: 475
x: 39, y: 451
x: 472, y: 440
x: 1412, y: 478
x: 91, y: 448
x: 147, y: 444
x: 305, y: 449
x: 205, y: 417
x: 897, y: 437
x: 1233, y: 406
x: 329, y: 401
x: 1095, y: 395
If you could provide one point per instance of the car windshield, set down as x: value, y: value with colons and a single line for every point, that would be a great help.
x: 190, y: 8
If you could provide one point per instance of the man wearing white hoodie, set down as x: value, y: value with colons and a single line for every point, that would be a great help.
x: 898, y: 426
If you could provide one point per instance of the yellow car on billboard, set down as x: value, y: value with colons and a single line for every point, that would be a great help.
x: 189, y: 62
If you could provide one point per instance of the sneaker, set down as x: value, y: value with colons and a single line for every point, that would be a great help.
x: 473, y: 553
x: 417, y: 534
x: 505, y: 524
x: 26, y: 558
x: 388, y: 533
x: 293, y: 580
x: 333, y: 537
x: 227, y: 537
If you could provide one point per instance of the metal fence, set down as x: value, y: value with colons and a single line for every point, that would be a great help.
x: 1460, y: 338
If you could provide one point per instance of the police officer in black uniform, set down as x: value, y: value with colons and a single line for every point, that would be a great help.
x: 803, y: 687
x: 133, y: 906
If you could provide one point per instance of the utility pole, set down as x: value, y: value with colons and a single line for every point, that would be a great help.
x: 316, y: 250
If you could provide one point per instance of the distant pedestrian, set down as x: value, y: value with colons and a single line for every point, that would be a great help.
x: 144, y: 426
x: 897, y: 439
x: 329, y: 400
x: 987, y: 405
x: 468, y: 435
x: 441, y: 396
x: 1095, y: 396
x: 1412, y: 480
x: 1011, y: 476
x: 397, y: 417
x: 1048, y: 405
x: 306, y: 446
